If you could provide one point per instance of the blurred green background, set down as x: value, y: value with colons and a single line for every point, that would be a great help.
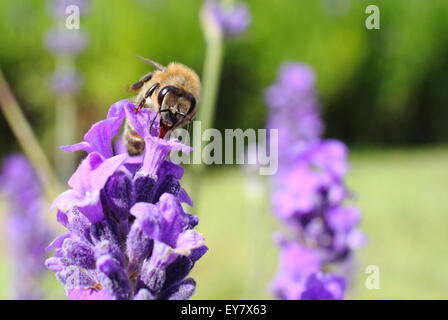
x: 383, y: 92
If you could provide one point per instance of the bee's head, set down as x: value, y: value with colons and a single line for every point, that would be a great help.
x: 176, y: 106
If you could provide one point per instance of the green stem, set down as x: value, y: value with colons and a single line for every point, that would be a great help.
x: 210, y: 79
x: 65, y: 125
x: 212, y: 71
x: 27, y: 140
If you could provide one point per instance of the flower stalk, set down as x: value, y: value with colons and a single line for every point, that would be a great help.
x: 210, y: 79
x: 219, y: 22
x: 27, y: 140
x: 65, y: 44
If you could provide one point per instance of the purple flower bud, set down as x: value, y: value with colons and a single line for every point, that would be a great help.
x: 153, y: 277
x: 181, y: 291
x: 65, y: 81
x: 115, y: 282
x: 112, y: 249
x: 178, y: 270
x: 64, y: 41
x: 118, y: 195
x: 144, y: 188
x: 74, y: 277
x: 79, y: 254
x: 139, y: 245
x: 144, y: 294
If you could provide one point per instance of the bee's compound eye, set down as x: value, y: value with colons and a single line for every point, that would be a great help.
x: 168, y: 89
x: 192, y: 104
x: 162, y: 95
x: 183, y: 108
x: 183, y: 105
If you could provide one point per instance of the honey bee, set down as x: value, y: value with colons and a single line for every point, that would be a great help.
x: 172, y: 91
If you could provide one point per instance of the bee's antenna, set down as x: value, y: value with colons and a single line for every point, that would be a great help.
x: 156, y: 65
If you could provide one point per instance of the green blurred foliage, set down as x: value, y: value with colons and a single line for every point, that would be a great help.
x: 378, y: 87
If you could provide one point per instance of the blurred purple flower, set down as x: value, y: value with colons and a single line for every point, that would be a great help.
x: 233, y: 20
x: 129, y: 237
x: 300, y: 276
x: 309, y: 196
x: 309, y: 190
x: 27, y: 232
x: 63, y: 82
x: 294, y: 106
x: 320, y: 286
x: 65, y: 41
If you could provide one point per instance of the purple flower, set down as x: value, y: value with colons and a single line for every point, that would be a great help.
x: 309, y: 196
x: 26, y: 229
x: 65, y: 81
x: 320, y: 286
x: 294, y: 105
x: 129, y: 237
x: 233, y: 20
x: 65, y: 41
x: 300, y: 276
x: 309, y: 191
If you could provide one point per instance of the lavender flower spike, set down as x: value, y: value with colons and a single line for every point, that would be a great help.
x: 309, y: 191
x: 27, y: 231
x: 129, y: 237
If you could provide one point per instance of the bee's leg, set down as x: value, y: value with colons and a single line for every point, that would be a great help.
x: 152, y: 122
x: 148, y: 94
x: 137, y: 85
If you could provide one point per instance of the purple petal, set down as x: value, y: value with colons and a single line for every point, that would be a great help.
x: 321, y: 286
x: 57, y: 243
x: 141, y: 120
x: 175, y: 220
x: 93, y: 172
x: 66, y: 200
x: 117, y: 110
x: 343, y: 218
x: 98, y: 138
x: 54, y: 264
x: 81, y: 146
x: 89, y: 294
x: 184, y: 197
x: 187, y: 241
x: 148, y: 217
x: 62, y: 218
x: 156, y: 151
